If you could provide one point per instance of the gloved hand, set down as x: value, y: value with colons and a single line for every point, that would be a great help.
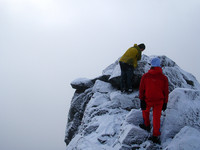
x: 164, y: 106
x: 143, y: 104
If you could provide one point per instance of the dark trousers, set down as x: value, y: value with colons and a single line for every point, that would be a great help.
x: 126, y: 76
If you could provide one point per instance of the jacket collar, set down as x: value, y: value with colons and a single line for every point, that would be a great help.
x: 155, y: 70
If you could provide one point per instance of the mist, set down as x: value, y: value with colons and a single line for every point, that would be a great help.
x: 44, y: 45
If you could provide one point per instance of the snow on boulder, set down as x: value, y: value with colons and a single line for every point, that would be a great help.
x: 97, y: 100
x: 183, y: 110
x: 134, y: 117
x: 180, y: 79
x: 130, y: 137
x: 186, y: 139
x: 109, y: 70
x: 102, y: 87
x: 125, y: 101
x: 81, y: 84
x: 81, y: 143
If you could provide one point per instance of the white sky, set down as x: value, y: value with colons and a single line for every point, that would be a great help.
x: 45, y: 44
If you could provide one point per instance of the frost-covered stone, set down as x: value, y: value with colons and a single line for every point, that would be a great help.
x: 186, y: 139
x: 132, y: 135
x: 81, y: 84
x: 102, y: 87
x: 81, y: 143
x: 109, y: 70
x: 134, y: 117
x: 183, y: 110
x: 97, y: 100
x: 124, y: 101
x: 76, y: 112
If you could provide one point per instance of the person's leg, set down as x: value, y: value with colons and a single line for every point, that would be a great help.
x: 123, y: 76
x: 157, y: 109
x: 129, y: 82
x: 145, y: 114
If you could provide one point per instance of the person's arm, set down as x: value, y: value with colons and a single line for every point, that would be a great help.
x: 135, y: 58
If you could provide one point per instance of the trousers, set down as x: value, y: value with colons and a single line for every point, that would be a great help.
x: 157, y: 109
x: 126, y: 76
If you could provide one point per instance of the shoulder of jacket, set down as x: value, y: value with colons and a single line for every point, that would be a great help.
x: 133, y: 50
x: 163, y: 77
x: 145, y: 75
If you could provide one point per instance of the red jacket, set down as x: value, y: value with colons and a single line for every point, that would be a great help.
x: 154, y: 86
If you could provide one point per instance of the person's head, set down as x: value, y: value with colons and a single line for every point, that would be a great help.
x: 141, y: 46
x: 155, y: 62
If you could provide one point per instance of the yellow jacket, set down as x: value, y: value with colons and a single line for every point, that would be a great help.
x: 131, y: 56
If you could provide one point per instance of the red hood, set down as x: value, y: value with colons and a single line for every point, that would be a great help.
x: 155, y: 70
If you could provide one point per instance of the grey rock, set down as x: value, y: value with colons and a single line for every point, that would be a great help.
x: 76, y: 112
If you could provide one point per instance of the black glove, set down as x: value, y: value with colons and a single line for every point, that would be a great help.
x: 164, y: 107
x: 143, y: 104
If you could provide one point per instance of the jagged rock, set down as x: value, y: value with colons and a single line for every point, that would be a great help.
x: 81, y: 143
x: 102, y: 87
x: 132, y: 135
x: 101, y: 78
x: 81, y: 84
x: 183, y: 110
x: 90, y: 129
x: 186, y: 139
x: 76, y: 112
x: 118, y: 101
x: 103, y: 118
x: 134, y: 117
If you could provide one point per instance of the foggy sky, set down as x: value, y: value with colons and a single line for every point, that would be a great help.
x: 46, y: 44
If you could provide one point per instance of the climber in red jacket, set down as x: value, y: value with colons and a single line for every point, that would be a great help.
x: 153, y: 93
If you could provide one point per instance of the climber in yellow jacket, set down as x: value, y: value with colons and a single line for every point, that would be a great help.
x: 127, y: 64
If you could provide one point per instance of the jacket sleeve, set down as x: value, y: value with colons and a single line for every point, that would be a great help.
x: 135, y: 58
x: 142, y: 89
x: 166, y: 90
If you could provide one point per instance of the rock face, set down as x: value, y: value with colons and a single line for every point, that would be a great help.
x: 103, y: 118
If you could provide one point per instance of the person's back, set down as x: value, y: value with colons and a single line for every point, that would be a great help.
x: 132, y: 55
x: 157, y: 82
x: 129, y: 56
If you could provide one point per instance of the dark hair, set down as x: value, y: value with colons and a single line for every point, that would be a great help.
x: 141, y: 46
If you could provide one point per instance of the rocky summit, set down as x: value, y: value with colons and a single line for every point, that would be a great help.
x: 103, y: 118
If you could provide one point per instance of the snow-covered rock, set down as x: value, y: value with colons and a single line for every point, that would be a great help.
x: 183, y: 110
x: 103, y: 118
x: 102, y: 87
x: 130, y: 136
x: 186, y: 139
x: 81, y: 84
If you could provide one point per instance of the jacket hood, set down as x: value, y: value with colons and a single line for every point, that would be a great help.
x: 155, y: 70
x: 136, y: 46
